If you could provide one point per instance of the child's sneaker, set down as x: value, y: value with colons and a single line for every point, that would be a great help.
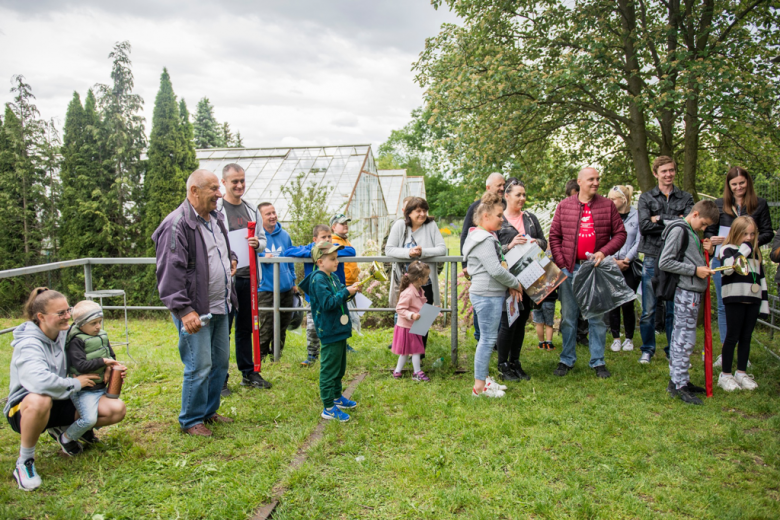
x: 490, y: 382
x: 350, y: 349
x: 728, y: 383
x: 718, y: 362
x: 334, y: 413
x: 615, y: 347
x: 310, y: 360
x: 26, y: 475
x: 628, y: 345
x: 550, y: 345
x: 343, y: 403
x: 488, y: 391
x: 70, y: 448
x: 420, y: 376
x: 745, y: 381
x: 397, y: 375
x: 542, y: 345
x: 89, y: 438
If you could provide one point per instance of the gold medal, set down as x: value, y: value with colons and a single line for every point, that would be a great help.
x: 755, y: 288
x: 344, y: 319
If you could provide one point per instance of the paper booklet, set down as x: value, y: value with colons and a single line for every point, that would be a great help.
x: 428, y: 314
x: 513, y: 308
x: 535, y: 270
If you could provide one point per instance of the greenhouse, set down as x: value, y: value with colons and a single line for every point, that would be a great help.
x: 349, y: 171
x: 396, y: 188
x: 416, y: 186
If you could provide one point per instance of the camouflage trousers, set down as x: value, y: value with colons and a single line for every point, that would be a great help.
x: 312, y: 340
x: 686, y: 315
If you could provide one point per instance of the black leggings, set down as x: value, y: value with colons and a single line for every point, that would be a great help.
x: 428, y: 292
x: 510, y: 339
x: 629, y: 320
x: 741, y: 319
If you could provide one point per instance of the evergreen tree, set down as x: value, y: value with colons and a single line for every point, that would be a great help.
x: 239, y: 143
x: 226, y: 136
x: 189, y: 160
x: 51, y: 161
x: 207, y: 130
x: 164, y: 183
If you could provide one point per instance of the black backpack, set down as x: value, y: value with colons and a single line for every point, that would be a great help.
x: 664, y: 284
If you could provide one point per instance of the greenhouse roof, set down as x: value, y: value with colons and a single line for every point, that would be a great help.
x: 416, y: 186
x: 395, y: 189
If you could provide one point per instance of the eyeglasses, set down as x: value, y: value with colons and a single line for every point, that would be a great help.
x: 61, y: 314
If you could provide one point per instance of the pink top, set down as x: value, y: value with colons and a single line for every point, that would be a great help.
x: 409, y: 302
x: 517, y: 222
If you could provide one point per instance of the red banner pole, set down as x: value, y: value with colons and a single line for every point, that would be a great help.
x: 253, y: 298
x: 707, y: 334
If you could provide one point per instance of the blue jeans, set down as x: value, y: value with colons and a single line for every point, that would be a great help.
x: 596, y: 325
x: 205, y: 355
x: 649, y: 302
x: 86, y: 402
x: 476, y: 327
x: 722, y: 327
x: 489, y: 307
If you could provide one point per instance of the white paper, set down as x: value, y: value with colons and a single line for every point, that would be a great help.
x: 512, y: 305
x: 240, y: 246
x: 361, y: 302
x: 428, y: 313
x: 530, y: 273
x: 723, y: 231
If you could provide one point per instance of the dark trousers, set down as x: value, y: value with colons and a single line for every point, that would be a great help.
x: 629, y: 320
x: 333, y: 365
x: 243, y: 319
x: 741, y: 320
x: 266, y: 299
x: 510, y: 339
x: 428, y: 292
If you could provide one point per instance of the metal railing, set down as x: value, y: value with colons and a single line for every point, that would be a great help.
x: 450, y: 283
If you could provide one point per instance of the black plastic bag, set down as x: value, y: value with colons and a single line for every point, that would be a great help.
x: 599, y: 289
x: 297, y: 316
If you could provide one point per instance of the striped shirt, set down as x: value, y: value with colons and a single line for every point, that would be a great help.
x: 737, y: 288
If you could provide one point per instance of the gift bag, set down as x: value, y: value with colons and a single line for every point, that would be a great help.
x: 599, y: 289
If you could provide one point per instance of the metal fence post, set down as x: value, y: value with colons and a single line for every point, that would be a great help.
x: 454, y: 313
x: 87, y: 277
x: 277, y: 315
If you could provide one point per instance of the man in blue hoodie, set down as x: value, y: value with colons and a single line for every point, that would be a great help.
x: 277, y: 241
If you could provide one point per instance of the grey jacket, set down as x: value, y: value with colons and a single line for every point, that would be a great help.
x: 429, y: 238
x: 488, y: 276
x: 182, y: 262
x: 654, y: 203
x: 39, y: 366
x: 672, y: 239
x: 629, y: 249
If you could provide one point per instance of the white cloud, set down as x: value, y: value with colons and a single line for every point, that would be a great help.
x: 288, y: 75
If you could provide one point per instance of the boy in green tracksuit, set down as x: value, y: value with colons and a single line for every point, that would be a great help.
x: 328, y: 298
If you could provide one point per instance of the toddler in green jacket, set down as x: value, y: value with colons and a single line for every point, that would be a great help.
x: 328, y: 298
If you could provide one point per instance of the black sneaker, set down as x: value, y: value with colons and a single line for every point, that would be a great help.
x: 506, y: 373
x: 70, y: 448
x: 602, y: 371
x: 55, y: 433
x: 695, y: 389
x: 687, y: 397
x: 89, y: 438
x: 225, y: 390
x: 518, y: 370
x: 671, y: 389
x: 255, y: 380
x: 562, y: 369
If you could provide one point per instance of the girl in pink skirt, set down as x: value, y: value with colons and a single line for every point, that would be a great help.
x: 410, y: 301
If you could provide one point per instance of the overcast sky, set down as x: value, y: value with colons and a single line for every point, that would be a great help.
x: 285, y: 72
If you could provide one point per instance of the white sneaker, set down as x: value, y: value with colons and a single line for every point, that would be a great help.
x: 489, y: 381
x: 628, y: 345
x: 728, y: 382
x: 718, y: 362
x: 645, y: 358
x: 489, y: 391
x: 615, y: 347
x: 26, y: 475
x: 745, y: 381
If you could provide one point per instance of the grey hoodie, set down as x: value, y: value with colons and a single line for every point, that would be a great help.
x: 488, y: 277
x: 672, y: 241
x: 39, y: 366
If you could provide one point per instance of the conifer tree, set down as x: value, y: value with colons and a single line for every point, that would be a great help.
x: 189, y: 160
x: 226, y: 136
x: 239, y: 143
x: 207, y: 130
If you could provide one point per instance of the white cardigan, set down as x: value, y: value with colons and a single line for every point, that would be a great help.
x: 429, y: 238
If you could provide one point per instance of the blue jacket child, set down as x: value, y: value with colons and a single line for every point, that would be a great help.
x: 277, y: 241
x: 305, y: 252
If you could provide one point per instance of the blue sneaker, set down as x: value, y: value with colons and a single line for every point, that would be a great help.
x: 334, y: 413
x: 343, y: 403
x: 350, y: 349
x: 310, y: 360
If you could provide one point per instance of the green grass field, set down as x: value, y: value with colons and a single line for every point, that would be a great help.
x: 576, y: 447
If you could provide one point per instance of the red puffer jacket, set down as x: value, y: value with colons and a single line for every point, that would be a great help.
x: 610, y: 233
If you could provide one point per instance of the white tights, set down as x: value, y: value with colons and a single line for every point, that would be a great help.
x: 402, y: 362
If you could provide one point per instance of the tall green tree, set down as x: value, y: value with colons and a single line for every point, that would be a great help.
x: 189, y: 160
x: 169, y: 150
x: 207, y: 130
x: 604, y: 82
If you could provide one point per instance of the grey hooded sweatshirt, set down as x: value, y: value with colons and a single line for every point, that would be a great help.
x: 488, y: 277
x: 672, y: 241
x: 39, y: 366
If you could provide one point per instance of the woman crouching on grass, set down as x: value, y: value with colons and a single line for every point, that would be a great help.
x: 490, y: 280
x: 40, y: 389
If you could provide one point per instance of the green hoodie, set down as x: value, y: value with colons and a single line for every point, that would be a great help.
x: 328, y: 298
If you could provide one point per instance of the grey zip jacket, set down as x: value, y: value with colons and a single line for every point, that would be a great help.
x: 39, y: 366
x: 672, y: 240
x: 488, y: 277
